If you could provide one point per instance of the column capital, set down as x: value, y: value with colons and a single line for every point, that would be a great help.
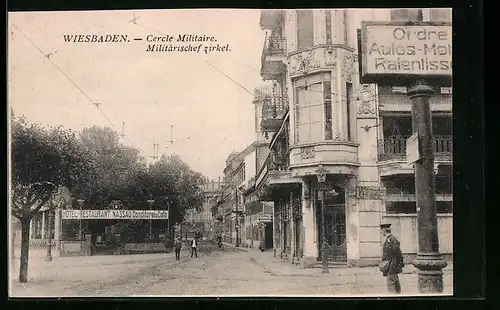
x: 420, y: 89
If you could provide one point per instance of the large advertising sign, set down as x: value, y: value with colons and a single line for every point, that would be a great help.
x: 115, y: 214
x: 393, y: 52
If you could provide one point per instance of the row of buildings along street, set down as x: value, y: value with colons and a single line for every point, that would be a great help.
x: 316, y: 113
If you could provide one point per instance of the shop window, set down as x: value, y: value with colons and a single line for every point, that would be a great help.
x: 400, y: 207
x: 305, y: 28
x: 444, y: 206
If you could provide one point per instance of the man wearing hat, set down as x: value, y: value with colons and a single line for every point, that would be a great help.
x: 392, y: 260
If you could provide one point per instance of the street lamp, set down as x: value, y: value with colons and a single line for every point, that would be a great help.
x: 150, y: 234
x: 80, y: 235
x: 48, y: 256
x: 321, y: 175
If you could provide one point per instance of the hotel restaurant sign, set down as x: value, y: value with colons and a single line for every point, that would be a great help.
x: 398, y: 53
x: 115, y: 214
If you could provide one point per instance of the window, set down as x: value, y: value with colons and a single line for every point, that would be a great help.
x: 328, y: 21
x: 440, y: 15
x: 348, y: 109
x: 446, y: 90
x: 404, y: 207
x: 406, y: 15
x: 305, y: 29
x: 399, y: 89
x: 327, y: 98
x: 309, y: 109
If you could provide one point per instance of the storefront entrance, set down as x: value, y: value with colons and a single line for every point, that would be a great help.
x: 335, y: 228
x: 268, y: 235
x: 335, y: 232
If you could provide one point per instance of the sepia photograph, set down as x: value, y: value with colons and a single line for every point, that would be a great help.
x: 230, y: 153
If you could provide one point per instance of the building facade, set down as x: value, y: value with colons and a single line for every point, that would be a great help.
x: 202, y: 220
x: 238, y: 213
x: 320, y: 116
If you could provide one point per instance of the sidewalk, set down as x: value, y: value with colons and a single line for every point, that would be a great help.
x: 275, y: 266
x: 366, y: 281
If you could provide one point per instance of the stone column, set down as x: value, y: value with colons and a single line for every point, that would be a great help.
x: 429, y: 261
x: 368, y: 198
x: 57, y: 228
x: 44, y: 233
x: 308, y: 222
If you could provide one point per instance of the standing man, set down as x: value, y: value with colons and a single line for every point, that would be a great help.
x: 194, y: 245
x: 178, y: 247
x: 392, y: 260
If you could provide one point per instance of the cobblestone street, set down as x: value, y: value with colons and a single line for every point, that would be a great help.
x: 213, y: 273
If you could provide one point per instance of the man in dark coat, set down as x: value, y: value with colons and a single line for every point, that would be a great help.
x: 392, y: 260
x: 178, y: 247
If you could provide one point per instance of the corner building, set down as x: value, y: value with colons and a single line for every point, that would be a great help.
x: 319, y: 115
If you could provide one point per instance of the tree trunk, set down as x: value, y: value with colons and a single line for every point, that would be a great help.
x: 25, y: 249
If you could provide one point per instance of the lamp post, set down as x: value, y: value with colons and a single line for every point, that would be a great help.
x: 150, y: 234
x: 168, y: 223
x: 237, y: 244
x: 80, y: 235
x: 321, y: 175
x: 429, y: 261
x: 48, y: 256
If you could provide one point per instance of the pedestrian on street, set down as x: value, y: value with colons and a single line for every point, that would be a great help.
x: 392, y: 260
x: 178, y: 247
x: 194, y: 245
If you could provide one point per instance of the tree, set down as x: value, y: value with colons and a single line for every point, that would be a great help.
x: 176, y: 185
x: 117, y: 171
x: 42, y: 159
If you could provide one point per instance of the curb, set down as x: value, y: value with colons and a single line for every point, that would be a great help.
x: 229, y: 245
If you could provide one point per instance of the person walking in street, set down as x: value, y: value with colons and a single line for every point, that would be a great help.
x: 392, y: 260
x: 194, y: 245
x: 178, y: 247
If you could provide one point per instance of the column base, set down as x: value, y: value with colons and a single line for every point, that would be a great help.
x: 308, y: 261
x: 430, y: 274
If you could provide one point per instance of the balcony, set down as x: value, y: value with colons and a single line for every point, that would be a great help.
x: 274, y: 108
x: 410, y: 197
x: 271, y: 19
x: 273, y: 59
x: 394, y: 148
x: 274, y: 175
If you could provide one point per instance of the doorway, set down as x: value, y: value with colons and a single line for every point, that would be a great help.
x: 268, y: 235
x: 335, y: 232
x: 335, y: 226
x: 298, y: 236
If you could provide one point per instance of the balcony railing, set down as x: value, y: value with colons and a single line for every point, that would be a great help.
x: 274, y: 163
x: 274, y: 106
x: 397, y: 99
x: 275, y: 45
x: 395, y: 147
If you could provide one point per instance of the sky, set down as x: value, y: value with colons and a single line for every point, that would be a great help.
x: 149, y: 92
